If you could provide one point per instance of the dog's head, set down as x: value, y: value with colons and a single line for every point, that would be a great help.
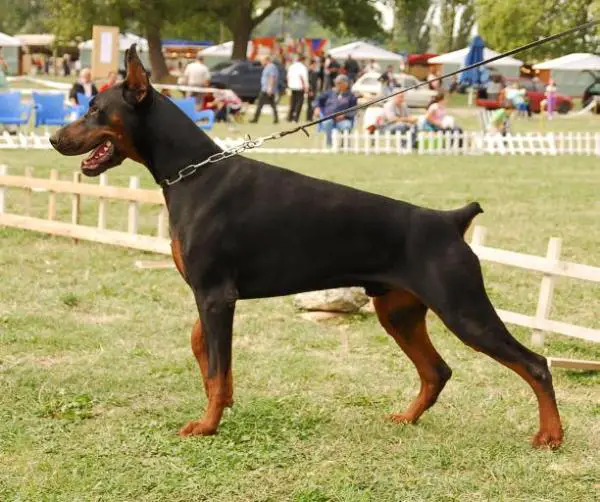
x: 108, y: 129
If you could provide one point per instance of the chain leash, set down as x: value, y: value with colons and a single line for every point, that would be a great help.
x: 247, y: 144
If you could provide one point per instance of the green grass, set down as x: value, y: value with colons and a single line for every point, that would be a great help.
x: 96, y: 373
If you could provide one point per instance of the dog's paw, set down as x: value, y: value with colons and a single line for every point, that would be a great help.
x: 546, y: 439
x: 402, y: 418
x: 197, y: 428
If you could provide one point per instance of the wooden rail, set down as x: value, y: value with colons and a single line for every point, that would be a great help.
x: 550, y: 266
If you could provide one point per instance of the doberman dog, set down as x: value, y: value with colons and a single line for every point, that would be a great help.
x: 244, y: 229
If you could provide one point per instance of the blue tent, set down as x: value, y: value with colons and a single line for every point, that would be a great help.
x: 476, y: 76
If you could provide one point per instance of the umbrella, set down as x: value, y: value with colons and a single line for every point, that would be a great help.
x: 475, y: 76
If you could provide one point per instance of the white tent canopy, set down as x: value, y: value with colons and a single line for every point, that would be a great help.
x: 576, y: 61
x: 125, y: 41
x: 42, y: 39
x: 8, y: 41
x: 458, y: 57
x: 364, y: 50
x: 223, y: 50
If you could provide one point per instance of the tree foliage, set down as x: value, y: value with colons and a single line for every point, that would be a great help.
x: 412, y: 29
x: 508, y: 24
x: 23, y: 16
x: 359, y: 17
x: 457, y: 18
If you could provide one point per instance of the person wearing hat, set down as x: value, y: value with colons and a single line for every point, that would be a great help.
x: 336, y: 100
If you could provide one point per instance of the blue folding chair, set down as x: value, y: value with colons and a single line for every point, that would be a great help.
x: 84, y: 102
x: 12, y: 111
x: 188, y: 106
x: 205, y: 119
x: 51, y: 110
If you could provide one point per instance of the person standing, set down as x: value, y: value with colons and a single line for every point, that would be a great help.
x: 334, y: 71
x: 388, y: 81
x: 313, y: 88
x: 110, y: 81
x: 196, y: 74
x: 352, y: 68
x: 3, y: 71
x: 83, y: 86
x: 372, y: 66
x: 269, y: 80
x: 297, y: 81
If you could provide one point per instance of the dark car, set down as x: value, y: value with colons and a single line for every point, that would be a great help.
x: 535, y: 96
x: 592, y: 91
x: 243, y: 78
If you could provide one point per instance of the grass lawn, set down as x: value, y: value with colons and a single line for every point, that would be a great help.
x: 96, y: 373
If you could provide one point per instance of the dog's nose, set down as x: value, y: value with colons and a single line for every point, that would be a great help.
x: 54, y: 140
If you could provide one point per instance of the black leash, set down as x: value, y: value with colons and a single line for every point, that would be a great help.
x: 249, y: 144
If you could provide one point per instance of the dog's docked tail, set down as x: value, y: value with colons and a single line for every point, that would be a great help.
x: 464, y: 216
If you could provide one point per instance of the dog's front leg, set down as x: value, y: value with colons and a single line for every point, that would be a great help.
x: 214, y: 356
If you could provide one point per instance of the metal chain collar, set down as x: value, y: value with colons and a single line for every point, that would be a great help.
x: 247, y: 144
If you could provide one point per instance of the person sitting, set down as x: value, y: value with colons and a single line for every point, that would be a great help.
x: 500, y: 120
x: 396, y: 116
x: 436, y: 118
x: 83, y: 86
x: 388, y: 82
x: 517, y: 95
x: 110, y: 81
x: 334, y: 101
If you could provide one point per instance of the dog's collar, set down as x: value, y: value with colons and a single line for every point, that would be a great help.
x: 191, y: 169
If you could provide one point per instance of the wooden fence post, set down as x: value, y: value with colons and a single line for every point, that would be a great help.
x: 52, y: 196
x: 163, y: 222
x: 28, y: 192
x: 102, y: 204
x: 478, y: 237
x: 3, y: 170
x: 76, y: 202
x: 132, y: 220
x: 546, y: 291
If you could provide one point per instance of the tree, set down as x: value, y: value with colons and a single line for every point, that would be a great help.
x: 22, y: 16
x: 71, y: 18
x: 508, y: 24
x: 412, y: 29
x: 359, y: 17
x: 457, y: 18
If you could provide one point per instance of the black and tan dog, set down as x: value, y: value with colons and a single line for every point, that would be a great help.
x: 244, y: 229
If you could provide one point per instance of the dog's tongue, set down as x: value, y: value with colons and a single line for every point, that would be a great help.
x: 97, y: 156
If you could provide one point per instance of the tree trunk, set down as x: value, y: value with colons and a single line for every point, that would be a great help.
x: 157, y: 59
x: 242, y: 28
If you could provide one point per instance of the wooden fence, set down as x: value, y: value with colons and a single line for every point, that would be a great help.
x: 435, y: 143
x: 550, y: 266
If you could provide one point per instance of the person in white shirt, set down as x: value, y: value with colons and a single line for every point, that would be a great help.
x: 196, y: 74
x: 373, y: 66
x: 297, y: 81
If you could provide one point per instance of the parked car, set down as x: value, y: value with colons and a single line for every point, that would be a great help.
x: 369, y: 87
x: 592, y: 91
x: 243, y: 78
x: 535, y: 95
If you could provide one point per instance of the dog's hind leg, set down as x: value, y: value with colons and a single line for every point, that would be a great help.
x: 403, y: 317
x: 200, y: 352
x: 454, y: 289
x: 212, y: 342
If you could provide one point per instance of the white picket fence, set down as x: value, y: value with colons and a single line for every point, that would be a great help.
x: 437, y: 143
x: 550, y: 266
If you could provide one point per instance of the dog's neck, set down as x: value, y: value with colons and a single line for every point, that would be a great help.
x: 170, y: 141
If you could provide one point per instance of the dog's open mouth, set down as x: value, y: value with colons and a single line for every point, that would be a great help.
x: 101, y: 158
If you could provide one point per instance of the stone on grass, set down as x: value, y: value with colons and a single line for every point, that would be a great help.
x: 344, y: 300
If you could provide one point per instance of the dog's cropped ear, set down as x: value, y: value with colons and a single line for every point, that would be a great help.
x: 137, y: 84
